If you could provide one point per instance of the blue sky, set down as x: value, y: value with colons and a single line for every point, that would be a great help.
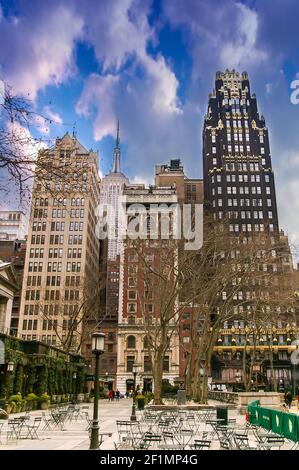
x: 151, y: 64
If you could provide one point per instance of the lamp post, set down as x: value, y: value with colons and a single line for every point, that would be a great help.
x: 133, y: 415
x: 75, y: 384
x: 10, y: 366
x: 98, y: 340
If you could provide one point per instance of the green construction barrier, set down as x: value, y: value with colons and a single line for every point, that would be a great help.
x: 277, y: 421
x: 253, y: 416
x: 290, y: 426
x: 264, y: 416
x: 297, y: 427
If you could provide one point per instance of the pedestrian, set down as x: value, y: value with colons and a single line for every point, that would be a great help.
x: 288, y: 399
x: 117, y: 395
x: 110, y: 395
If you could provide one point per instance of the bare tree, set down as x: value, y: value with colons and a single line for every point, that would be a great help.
x: 23, y: 155
x: 236, y: 282
x: 76, y: 317
x: 163, y: 275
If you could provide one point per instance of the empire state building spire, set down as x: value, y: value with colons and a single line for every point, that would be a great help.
x: 116, y: 153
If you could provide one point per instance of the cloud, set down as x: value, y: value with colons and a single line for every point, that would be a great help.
x: 42, y: 41
x: 243, y: 51
x: 52, y: 115
x: 98, y: 96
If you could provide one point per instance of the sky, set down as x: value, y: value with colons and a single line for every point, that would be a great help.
x: 151, y: 64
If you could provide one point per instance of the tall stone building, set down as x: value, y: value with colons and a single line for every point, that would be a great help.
x: 12, y: 225
x: 238, y: 175
x: 61, y: 271
x: 239, y: 188
x: 14, y: 252
x: 189, y: 191
x: 111, y: 189
x: 139, y: 304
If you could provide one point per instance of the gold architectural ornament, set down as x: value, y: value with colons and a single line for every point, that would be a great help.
x: 253, y: 124
x: 220, y: 124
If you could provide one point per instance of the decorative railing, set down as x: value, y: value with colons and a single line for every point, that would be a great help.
x: 225, y: 397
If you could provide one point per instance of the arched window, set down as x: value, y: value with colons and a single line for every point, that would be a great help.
x: 131, y: 342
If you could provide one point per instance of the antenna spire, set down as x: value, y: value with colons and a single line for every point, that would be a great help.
x: 116, y: 153
x: 117, y: 135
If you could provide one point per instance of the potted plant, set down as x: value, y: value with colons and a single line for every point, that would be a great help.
x: 44, y: 401
x: 32, y: 401
x: 140, y: 398
x: 7, y: 407
x: 15, y: 401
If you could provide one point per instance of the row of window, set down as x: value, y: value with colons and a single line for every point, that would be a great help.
x: 34, y: 281
x: 244, y: 166
x: 249, y: 227
x: 247, y: 202
x: 40, y: 213
x: 242, y: 178
x: 132, y: 307
x: 249, y: 215
x: 75, y: 239
x: 31, y: 309
x: 146, y: 364
x: 32, y: 294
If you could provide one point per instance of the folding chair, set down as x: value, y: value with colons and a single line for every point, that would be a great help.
x: 32, y: 428
x: 201, y: 444
x: 13, y: 429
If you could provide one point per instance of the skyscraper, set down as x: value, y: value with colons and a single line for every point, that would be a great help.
x: 239, y: 187
x: 238, y: 176
x: 111, y: 189
x: 62, y: 259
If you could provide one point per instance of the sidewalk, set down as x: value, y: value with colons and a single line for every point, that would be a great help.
x: 75, y: 436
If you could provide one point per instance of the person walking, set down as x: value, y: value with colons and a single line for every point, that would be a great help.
x: 288, y: 399
x: 117, y: 395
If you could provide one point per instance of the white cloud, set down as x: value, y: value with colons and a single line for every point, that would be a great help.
x: 54, y: 117
x: 243, y: 49
x: 42, y: 48
x: 98, y: 95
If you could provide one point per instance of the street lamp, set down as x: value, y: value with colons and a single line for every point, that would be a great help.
x: 98, y: 340
x: 10, y: 366
x: 133, y: 415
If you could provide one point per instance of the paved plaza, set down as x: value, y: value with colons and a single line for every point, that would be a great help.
x: 74, y: 435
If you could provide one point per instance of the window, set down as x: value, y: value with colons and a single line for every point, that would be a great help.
x: 147, y: 364
x: 131, y: 342
x: 130, y: 362
x: 132, y: 308
x: 166, y: 364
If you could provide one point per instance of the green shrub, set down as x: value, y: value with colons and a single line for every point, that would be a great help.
x: 15, y: 398
x: 44, y: 397
x: 31, y: 397
x: 148, y: 397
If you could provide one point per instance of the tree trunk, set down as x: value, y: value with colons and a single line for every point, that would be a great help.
x: 157, y: 376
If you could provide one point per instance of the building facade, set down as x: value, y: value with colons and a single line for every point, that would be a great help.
x: 111, y: 189
x: 239, y: 188
x: 62, y: 259
x: 139, y: 305
x: 12, y: 225
x: 8, y: 288
x: 14, y: 252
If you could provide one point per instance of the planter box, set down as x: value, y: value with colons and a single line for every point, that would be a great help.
x: 44, y: 405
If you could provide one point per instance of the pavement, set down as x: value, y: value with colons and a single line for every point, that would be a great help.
x: 75, y: 435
